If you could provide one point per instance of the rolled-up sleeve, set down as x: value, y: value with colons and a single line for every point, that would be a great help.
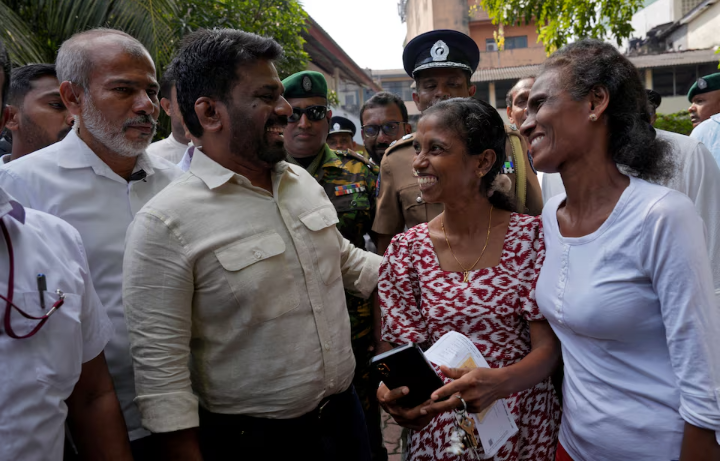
x: 360, y: 268
x: 678, y: 264
x: 157, y: 294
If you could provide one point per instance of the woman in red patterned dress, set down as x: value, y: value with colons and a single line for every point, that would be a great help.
x: 472, y: 270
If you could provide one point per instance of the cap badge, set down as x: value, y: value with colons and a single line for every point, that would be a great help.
x: 702, y: 84
x: 306, y: 83
x: 439, y: 51
x: 336, y: 127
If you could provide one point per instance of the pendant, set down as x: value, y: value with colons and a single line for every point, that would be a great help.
x: 466, y: 276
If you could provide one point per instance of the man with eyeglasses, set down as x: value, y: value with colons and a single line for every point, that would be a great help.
x: 349, y: 181
x: 384, y: 119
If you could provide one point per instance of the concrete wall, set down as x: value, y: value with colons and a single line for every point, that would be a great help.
x: 704, y: 31
x: 419, y: 18
x: 451, y: 14
x: 660, y: 12
x: 534, y: 54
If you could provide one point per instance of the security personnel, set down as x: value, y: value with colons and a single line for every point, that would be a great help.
x: 704, y: 98
x: 441, y: 63
x: 341, y: 134
x: 349, y: 182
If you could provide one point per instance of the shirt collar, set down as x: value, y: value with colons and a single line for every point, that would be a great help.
x: 214, y: 175
x: 76, y: 154
x: 10, y: 206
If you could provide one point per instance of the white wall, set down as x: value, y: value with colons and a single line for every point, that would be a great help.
x: 704, y: 31
x: 660, y: 12
x: 673, y: 104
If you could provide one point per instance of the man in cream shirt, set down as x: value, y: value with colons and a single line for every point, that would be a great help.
x: 234, y: 277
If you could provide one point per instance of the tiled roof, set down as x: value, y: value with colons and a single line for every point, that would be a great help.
x: 643, y: 61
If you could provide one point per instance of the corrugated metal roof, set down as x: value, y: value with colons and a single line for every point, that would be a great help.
x: 642, y: 62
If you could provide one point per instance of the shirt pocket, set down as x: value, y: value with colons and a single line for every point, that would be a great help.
x: 351, y: 197
x: 414, y: 211
x: 324, y: 239
x: 256, y: 270
x: 58, y: 344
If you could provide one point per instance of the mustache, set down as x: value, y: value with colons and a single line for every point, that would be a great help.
x: 277, y: 121
x: 142, y: 119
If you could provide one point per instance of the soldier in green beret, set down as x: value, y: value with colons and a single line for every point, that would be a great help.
x: 704, y: 98
x: 349, y: 181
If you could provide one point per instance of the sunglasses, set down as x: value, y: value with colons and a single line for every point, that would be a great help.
x: 389, y: 129
x: 314, y: 113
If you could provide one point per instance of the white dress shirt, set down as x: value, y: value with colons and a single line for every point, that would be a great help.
x: 697, y: 176
x: 235, y: 294
x: 40, y: 372
x: 632, y: 305
x: 69, y: 181
x: 708, y: 132
x: 169, y: 149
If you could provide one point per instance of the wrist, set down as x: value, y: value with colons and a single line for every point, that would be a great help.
x: 504, y: 382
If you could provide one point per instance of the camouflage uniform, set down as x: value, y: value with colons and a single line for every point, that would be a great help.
x: 349, y: 181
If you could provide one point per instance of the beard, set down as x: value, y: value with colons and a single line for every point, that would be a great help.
x: 112, y: 136
x: 377, y: 152
x: 259, y: 147
x: 36, y: 137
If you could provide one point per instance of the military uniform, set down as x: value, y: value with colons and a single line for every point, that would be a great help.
x: 349, y: 180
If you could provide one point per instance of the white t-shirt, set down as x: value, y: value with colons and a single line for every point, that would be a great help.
x: 38, y: 373
x: 170, y: 149
x: 68, y: 180
x: 697, y: 176
x: 708, y: 132
x: 632, y: 304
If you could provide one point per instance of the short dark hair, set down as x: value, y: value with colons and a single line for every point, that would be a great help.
x: 384, y: 99
x: 6, y: 66
x: 167, y: 81
x: 479, y: 126
x: 23, y: 77
x: 511, y: 93
x: 632, y: 142
x: 208, y: 65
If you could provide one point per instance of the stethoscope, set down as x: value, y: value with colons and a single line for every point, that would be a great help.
x: 8, y: 300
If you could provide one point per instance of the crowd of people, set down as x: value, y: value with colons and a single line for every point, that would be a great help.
x: 219, y: 294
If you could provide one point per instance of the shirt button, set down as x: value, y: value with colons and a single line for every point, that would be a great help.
x: 327, y: 346
x: 258, y: 254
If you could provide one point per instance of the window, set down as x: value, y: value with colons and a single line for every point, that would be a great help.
x: 501, y: 90
x: 663, y: 82
x: 400, y: 88
x: 685, y: 77
x: 677, y: 80
x: 482, y: 91
x: 515, y: 42
x: 688, y: 5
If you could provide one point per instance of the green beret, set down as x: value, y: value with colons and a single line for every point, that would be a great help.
x: 305, y: 84
x: 705, y: 84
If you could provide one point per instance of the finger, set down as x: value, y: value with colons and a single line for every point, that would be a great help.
x: 382, y: 390
x: 454, y: 373
x: 395, y: 394
x: 451, y: 403
x: 449, y: 389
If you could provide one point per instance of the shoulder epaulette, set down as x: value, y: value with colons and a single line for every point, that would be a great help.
x: 406, y: 139
x: 352, y: 154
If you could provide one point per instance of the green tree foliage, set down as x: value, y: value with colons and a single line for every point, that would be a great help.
x: 33, y: 30
x: 675, y: 122
x: 561, y: 21
x: 283, y: 20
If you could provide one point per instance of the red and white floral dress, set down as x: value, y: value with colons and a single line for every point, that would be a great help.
x: 420, y: 303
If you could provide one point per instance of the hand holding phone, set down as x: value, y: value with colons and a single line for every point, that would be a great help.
x: 407, y: 366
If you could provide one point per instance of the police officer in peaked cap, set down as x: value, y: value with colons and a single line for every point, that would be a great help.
x: 341, y: 134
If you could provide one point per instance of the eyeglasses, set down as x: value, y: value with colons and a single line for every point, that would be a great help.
x: 389, y: 129
x: 314, y: 113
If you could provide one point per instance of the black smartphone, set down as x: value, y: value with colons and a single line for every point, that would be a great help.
x: 407, y: 366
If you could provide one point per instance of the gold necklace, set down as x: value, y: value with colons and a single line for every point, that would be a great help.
x: 466, y: 271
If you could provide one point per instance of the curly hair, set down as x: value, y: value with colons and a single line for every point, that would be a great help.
x: 480, y: 127
x: 632, y: 142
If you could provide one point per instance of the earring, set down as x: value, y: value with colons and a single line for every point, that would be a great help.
x: 480, y: 174
x: 593, y: 118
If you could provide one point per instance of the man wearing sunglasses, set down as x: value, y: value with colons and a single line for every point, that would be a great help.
x: 349, y: 181
x: 384, y: 119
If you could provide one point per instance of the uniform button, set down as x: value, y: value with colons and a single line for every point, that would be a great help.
x: 258, y: 254
x: 353, y: 204
x: 419, y: 199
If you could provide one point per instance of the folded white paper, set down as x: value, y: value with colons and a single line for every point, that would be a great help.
x: 495, y: 425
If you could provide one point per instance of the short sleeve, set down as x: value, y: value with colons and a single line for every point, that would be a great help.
x: 96, y: 327
x: 399, y: 294
x: 531, y: 263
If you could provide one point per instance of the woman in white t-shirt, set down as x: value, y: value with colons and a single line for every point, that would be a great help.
x: 626, y: 284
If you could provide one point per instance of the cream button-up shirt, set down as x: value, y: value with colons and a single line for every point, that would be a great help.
x: 234, y: 297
